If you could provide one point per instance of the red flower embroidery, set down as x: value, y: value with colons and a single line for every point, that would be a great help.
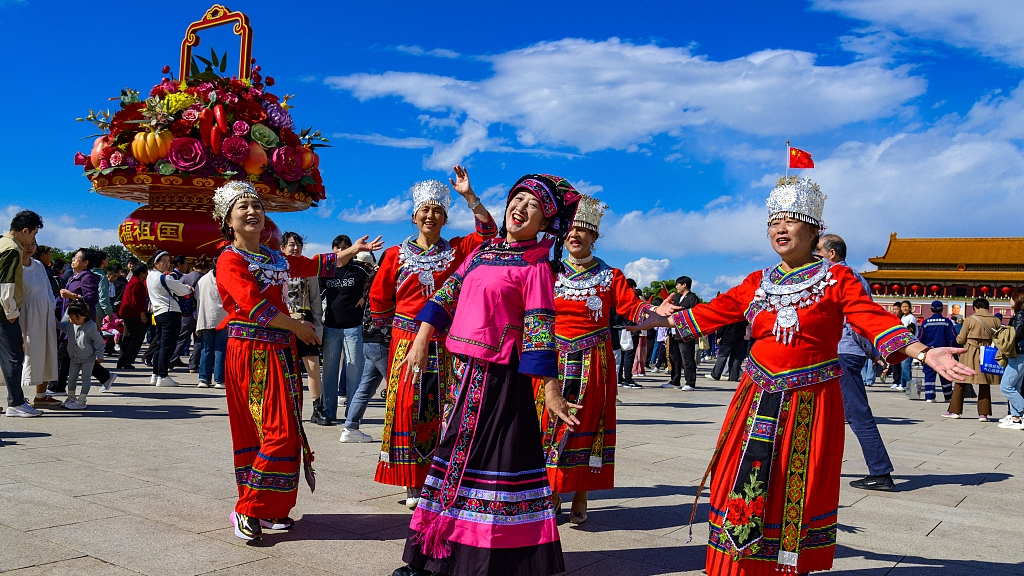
x: 737, y: 513
x: 756, y: 507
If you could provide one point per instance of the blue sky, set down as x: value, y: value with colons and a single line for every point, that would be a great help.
x: 674, y: 113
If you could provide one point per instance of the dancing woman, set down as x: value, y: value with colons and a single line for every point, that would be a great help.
x: 775, y: 472
x: 409, y: 274
x: 486, y: 505
x: 586, y: 292
x: 264, y: 386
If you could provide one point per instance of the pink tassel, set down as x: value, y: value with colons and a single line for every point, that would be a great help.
x: 430, y: 540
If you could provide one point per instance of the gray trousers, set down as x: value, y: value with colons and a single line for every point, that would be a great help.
x: 83, y: 369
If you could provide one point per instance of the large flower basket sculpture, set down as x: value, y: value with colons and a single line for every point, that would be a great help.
x: 172, y: 149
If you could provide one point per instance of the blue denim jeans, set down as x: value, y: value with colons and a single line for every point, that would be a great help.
x: 907, y: 373
x: 211, y: 358
x: 867, y: 374
x: 1010, y: 385
x: 374, y: 371
x: 341, y: 345
x: 858, y: 414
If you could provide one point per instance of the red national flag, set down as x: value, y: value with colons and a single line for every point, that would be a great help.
x: 800, y: 158
x: 663, y: 294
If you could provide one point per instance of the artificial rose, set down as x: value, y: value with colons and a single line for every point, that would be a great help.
x: 230, y: 99
x: 240, y: 127
x: 122, y: 119
x: 289, y: 138
x: 286, y: 163
x: 235, y: 148
x: 164, y: 88
x: 191, y: 115
x: 181, y: 128
x: 104, y: 164
x: 251, y: 112
x: 116, y: 158
x: 81, y: 159
x: 264, y: 136
x: 756, y: 507
x: 186, y: 154
x: 278, y: 117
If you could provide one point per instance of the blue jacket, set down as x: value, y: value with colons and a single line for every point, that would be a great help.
x: 852, y: 343
x: 938, y: 332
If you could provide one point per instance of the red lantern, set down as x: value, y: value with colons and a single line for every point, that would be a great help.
x: 984, y: 289
x: 896, y: 288
x: 914, y: 288
x: 877, y: 288
x: 935, y: 288
x: 1006, y: 290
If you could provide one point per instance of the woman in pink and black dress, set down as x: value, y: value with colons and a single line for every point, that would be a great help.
x: 486, y: 506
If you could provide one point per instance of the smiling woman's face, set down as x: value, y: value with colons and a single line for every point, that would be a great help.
x: 791, y: 238
x: 524, y: 217
x: 247, y: 216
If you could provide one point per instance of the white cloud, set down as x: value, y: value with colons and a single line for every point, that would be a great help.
x: 992, y: 27
x: 461, y: 217
x: 708, y: 290
x: 646, y: 270
x: 590, y: 96
x: 395, y: 210
x: 59, y: 231
x: 380, y: 140
x: 584, y: 187
x: 436, y: 52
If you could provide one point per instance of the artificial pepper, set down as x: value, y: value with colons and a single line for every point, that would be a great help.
x: 215, y: 137
x: 221, y: 117
x: 205, y: 124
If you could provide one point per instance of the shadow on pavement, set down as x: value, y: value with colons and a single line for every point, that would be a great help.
x: 669, y: 405
x: 896, y: 420
x: 332, y: 527
x: 7, y: 435
x: 650, y: 422
x: 928, y: 566
x: 145, y: 412
x: 641, y: 492
x: 643, y: 561
x: 926, y: 480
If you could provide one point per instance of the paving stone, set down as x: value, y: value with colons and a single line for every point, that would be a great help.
x: 20, y: 550
x: 83, y: 566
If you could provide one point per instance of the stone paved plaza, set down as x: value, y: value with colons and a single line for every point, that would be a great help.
x: 142, y: 482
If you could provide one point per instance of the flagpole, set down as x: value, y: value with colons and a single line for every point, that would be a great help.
x: 788, y: 153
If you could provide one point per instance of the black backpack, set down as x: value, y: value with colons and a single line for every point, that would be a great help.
x: 186, y: 303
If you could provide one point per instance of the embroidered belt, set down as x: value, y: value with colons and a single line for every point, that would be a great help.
x: 570, y: 345
x: 791, y: 379
x: 260, y: 333
x: 407, y: 324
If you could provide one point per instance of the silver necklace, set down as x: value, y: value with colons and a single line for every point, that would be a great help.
x: 579, y: 261
x: 424, y: 265
x: 586, y: 288
x: 785, y: 299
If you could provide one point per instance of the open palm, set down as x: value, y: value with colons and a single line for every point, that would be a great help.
x: 461, y: 182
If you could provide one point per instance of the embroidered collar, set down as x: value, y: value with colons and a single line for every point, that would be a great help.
x: 413, y: 259
x: 785, y: 292
x: 269, y: 267
x: 585, y: 285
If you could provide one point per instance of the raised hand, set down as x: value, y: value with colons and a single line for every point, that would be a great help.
x: 667, y: 308
x: 461, y: 183
x: 362, y: 245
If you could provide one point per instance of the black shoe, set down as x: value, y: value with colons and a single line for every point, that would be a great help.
x: 319, y: 416
x: 246, y: 527
x: 883, y: 483
x: 633, y: 385
x: 411, y: 571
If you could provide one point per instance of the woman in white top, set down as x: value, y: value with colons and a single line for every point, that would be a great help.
x: 39, y: 326
x: 210, y: 314
x: 163, y: 289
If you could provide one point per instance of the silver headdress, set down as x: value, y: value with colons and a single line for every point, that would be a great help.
x: 431, y: 192
x: 226, y: 195
x: 797, y: 198
x: 589, y: 211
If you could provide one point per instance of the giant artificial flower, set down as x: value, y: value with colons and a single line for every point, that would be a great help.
x: 235, y: 148
x: 181, y: 128
x: 264, y: 136
x: 278, y: 117
x: 116, y: 158
x: 251, y: 112
x: 286, y: 163
x: 240, y: 127
x: 186, y: 154
x: 191, y: 115
x: 289, y: 138
x: 120, y: 122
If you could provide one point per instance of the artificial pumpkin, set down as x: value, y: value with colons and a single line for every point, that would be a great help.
x: 148, y: 147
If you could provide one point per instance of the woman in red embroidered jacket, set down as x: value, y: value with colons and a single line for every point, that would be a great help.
x: 775, y: 472
x: 264, y: 387
x: 486, y: 508
x: 409, y: 274
x: 586, y: 292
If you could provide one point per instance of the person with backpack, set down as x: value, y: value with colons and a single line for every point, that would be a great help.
x: 164, y: 294
x: 978, y: 330
x: 937, y: 332
x: 1010, y: 383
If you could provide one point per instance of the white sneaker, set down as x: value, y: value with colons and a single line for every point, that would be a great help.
x: 203, y: 384
x: 74, y: 404
x: 105, y: 387
x: 218, y: 385
x: 351, y: 435
x: 709, y: 376
x: 55, y: 393
x: 669, y: 385
x: 24, y: 411
x: 153, y: 379
x: 166, y: 381
x: 1011, y: 425
x: 894, y: 387
x: 687, y: 388
x: 1005, y: 419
